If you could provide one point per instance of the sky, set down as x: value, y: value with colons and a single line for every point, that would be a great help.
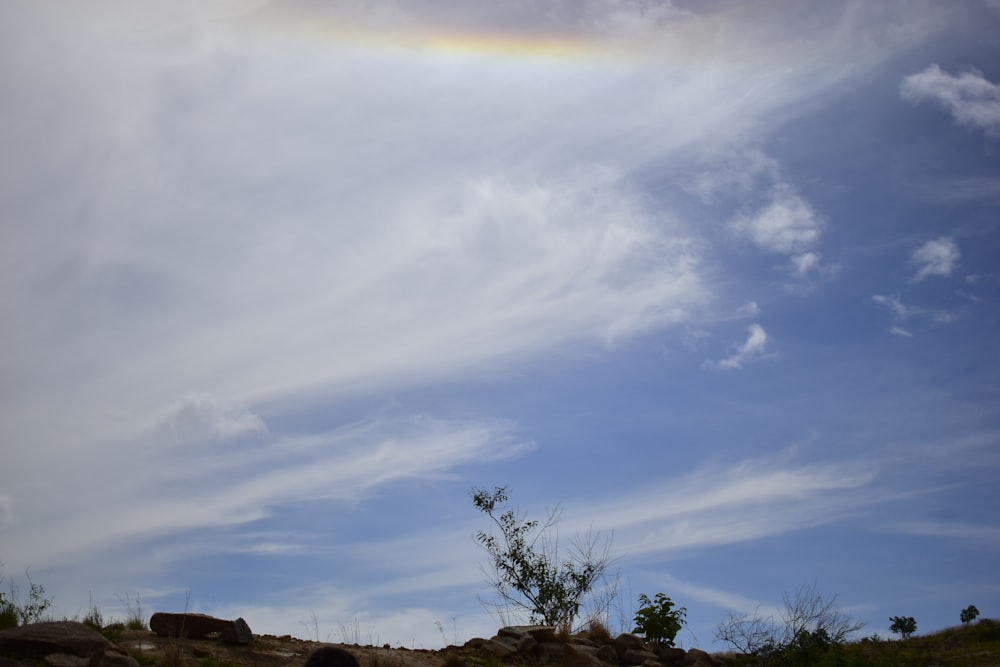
x: 283, y: 281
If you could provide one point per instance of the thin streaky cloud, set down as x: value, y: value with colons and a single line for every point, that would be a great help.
x: 895, y: 305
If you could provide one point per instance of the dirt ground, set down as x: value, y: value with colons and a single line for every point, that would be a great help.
x: 266, y: 651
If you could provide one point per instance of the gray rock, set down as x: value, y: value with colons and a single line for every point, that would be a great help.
x: 581, y: 655
x: 42, y: 639
x: 698, y: 658
x: 625, y: 643
x: 64, y: 660
x: 635, y: 656
x: 671, y: 656
x: 499, y: 648
x: 540, y: 633
x: 112, y: 658
x: 200, y: 626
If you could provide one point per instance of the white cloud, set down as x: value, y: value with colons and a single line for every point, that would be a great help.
x: 902, y: 312
x: 143, y: 492
x: 732, y: 172
x: 747, y: 500
x: 787, y: 224
x: 198, y: 417
x: 6, y: 510
x: 753, y: 348
x: 988, y: 535
x: 937, y: 257
x: 806, y: 263
x: 894, y: 304
x: 970, y: 98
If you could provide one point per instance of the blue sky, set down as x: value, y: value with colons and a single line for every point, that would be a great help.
x: 282, y: 281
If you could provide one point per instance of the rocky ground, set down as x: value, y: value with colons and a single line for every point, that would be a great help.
x: 208, y: 642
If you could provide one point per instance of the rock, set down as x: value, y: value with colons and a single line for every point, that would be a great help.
x: 581, y: 655
x: 540, y: 633
x: 200, y: 626
x: 112, y: 658
x: 38, y: 640
x: 331, y: 656
x: 499, y: 648
x: 526, y: 646
x: 698, y: 658
x: 64, y: 660
x: 625, y: 643
x: 634, y: 656
x: 607, y: 654
x: 476, y: 642
x: 551, y: 652
x: 671, y: 656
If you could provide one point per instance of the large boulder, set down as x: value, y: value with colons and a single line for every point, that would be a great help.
x: 200, y: 626
x: 62, y: 644
x: 41, y: 639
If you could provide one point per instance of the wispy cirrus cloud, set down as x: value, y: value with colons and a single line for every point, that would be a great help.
x: 752, y: 348
x: 971, y: 99
x: 160, y: 489
x: 901, y: 312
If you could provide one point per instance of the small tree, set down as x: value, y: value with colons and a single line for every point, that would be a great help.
x: 969, y: 614
x: 903, y: 625
x: 525, y: 568
x: 658, y: 621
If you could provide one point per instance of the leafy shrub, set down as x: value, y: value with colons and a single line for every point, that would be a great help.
x: 658, y: 621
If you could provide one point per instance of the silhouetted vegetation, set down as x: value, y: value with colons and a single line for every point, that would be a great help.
x: 658, y: 620
x: 526, y: 570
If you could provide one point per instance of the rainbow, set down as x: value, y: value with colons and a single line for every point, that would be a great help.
x: 723, y: 37
x: 324, y: 25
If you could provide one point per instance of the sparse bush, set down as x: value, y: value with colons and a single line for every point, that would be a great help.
x: 8, y: 614
x: 526, y: 570
x: 658, y: 621
x: 13, y: 612
x: 598, y: 632
x: 969, y: 614
x: 904, y: 626
x: 809, y: 625
x: 94, y: 619
x: 749, y: 634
